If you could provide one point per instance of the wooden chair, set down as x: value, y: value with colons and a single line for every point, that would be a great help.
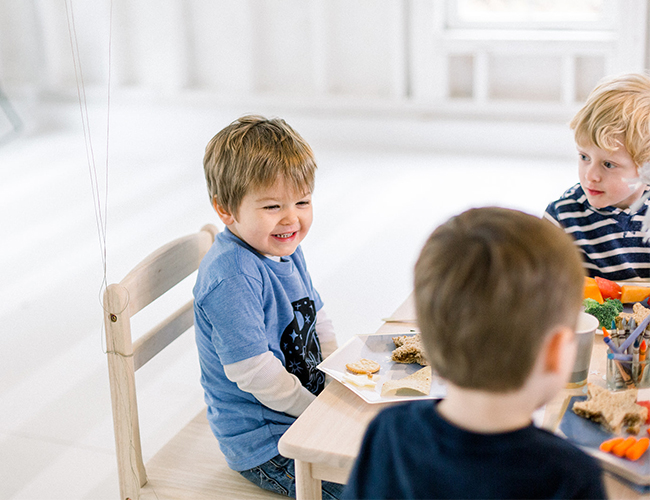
x: 190, y: 465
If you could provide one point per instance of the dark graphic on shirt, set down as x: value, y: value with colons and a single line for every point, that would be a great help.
x: 301, y: 347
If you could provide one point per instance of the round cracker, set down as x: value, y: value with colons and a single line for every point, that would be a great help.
x: 363, y: 365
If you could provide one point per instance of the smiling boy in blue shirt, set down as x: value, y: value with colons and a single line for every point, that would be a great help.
x: 260, y: 327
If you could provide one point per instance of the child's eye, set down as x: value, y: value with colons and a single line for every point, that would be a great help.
x: 304, y: 203
x: 271, y: 207
x: 608, y: 165
x: 583, y: 157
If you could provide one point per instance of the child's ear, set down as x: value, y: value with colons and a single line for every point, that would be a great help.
x: 560, y: 349
x: 225, y: 216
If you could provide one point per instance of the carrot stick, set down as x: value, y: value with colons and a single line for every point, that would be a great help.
x: 607, y: 446
x: 620, y: 449
x: 635, y: 451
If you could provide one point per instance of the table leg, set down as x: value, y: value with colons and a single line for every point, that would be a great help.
x: 307, y: 488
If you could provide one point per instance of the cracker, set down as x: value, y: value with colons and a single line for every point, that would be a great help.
x: 363, y: 365
x: 416, y: 384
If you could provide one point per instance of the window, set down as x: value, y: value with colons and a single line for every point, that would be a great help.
x: 532, y: 14
x: 530, y: 57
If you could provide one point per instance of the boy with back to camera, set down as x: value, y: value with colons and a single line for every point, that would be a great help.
x: 260, y: 326
x: 604, y: 212
x: 497, y: 295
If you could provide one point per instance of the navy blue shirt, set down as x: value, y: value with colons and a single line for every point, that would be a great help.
x: 410, y: 451
x: 611, y: 239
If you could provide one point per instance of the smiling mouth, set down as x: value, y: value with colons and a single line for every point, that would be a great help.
x: 284, y: 236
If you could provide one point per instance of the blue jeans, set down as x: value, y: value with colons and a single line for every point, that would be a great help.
x: 278, y: 475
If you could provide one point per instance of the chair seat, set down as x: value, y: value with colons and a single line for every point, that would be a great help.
x: 191, y: 466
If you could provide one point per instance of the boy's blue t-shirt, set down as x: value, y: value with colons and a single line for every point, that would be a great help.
x: 246, y: 304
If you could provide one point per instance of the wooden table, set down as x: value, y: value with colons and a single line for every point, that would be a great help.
x: 325, y: 439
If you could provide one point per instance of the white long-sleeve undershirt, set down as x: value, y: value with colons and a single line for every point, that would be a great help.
x: 265, y: 377
x: 326, y: 335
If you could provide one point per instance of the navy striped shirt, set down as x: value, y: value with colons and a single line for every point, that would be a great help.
x: 610, y: 238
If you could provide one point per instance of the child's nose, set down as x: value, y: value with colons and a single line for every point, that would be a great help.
x: 592, y: 172
x: 290, y: 216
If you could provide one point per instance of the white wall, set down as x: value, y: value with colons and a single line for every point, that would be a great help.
x: 365, y: 58
x: 288, y: 47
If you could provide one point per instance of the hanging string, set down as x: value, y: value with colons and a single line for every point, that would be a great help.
x: 108, y: 128
x: 100, y: 199
x: 99, y: 204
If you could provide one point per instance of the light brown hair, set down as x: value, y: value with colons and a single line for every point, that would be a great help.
x: 253, y: 152
x: 618, y: 109
x: 490, y: 284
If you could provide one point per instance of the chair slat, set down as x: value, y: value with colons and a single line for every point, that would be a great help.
x: 163, y: 334
x: 178, y: 259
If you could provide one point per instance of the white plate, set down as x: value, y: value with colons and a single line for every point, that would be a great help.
x: 379, y: 348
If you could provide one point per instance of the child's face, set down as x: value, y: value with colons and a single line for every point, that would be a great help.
x: 605, y: 176
x: 273, y: 220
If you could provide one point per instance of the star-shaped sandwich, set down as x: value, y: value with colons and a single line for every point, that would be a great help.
x: 613, y: 410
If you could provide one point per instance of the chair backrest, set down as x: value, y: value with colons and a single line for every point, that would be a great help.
x: 151, y: 278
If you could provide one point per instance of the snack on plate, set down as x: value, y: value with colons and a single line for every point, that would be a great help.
x: 364, y: 381
x: 639, y: 313
x: 634, y: 293
x: 416, y: 384
x: 612, y: 409
x: 630, y: 447
x: 608, y: 289
x: 600, y: 289
x: 592, y: 291
x: 606, y: 312
x: 363, y: 366
x: 409, y: 350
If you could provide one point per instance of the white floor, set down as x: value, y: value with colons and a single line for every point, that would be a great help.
x: 374, y: 206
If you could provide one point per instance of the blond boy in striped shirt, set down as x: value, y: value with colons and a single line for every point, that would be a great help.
x: 604, y: 212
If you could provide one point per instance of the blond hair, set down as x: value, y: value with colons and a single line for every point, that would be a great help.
x: 253, y: 152
x: 618, y: 109
x: 490, y: 284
